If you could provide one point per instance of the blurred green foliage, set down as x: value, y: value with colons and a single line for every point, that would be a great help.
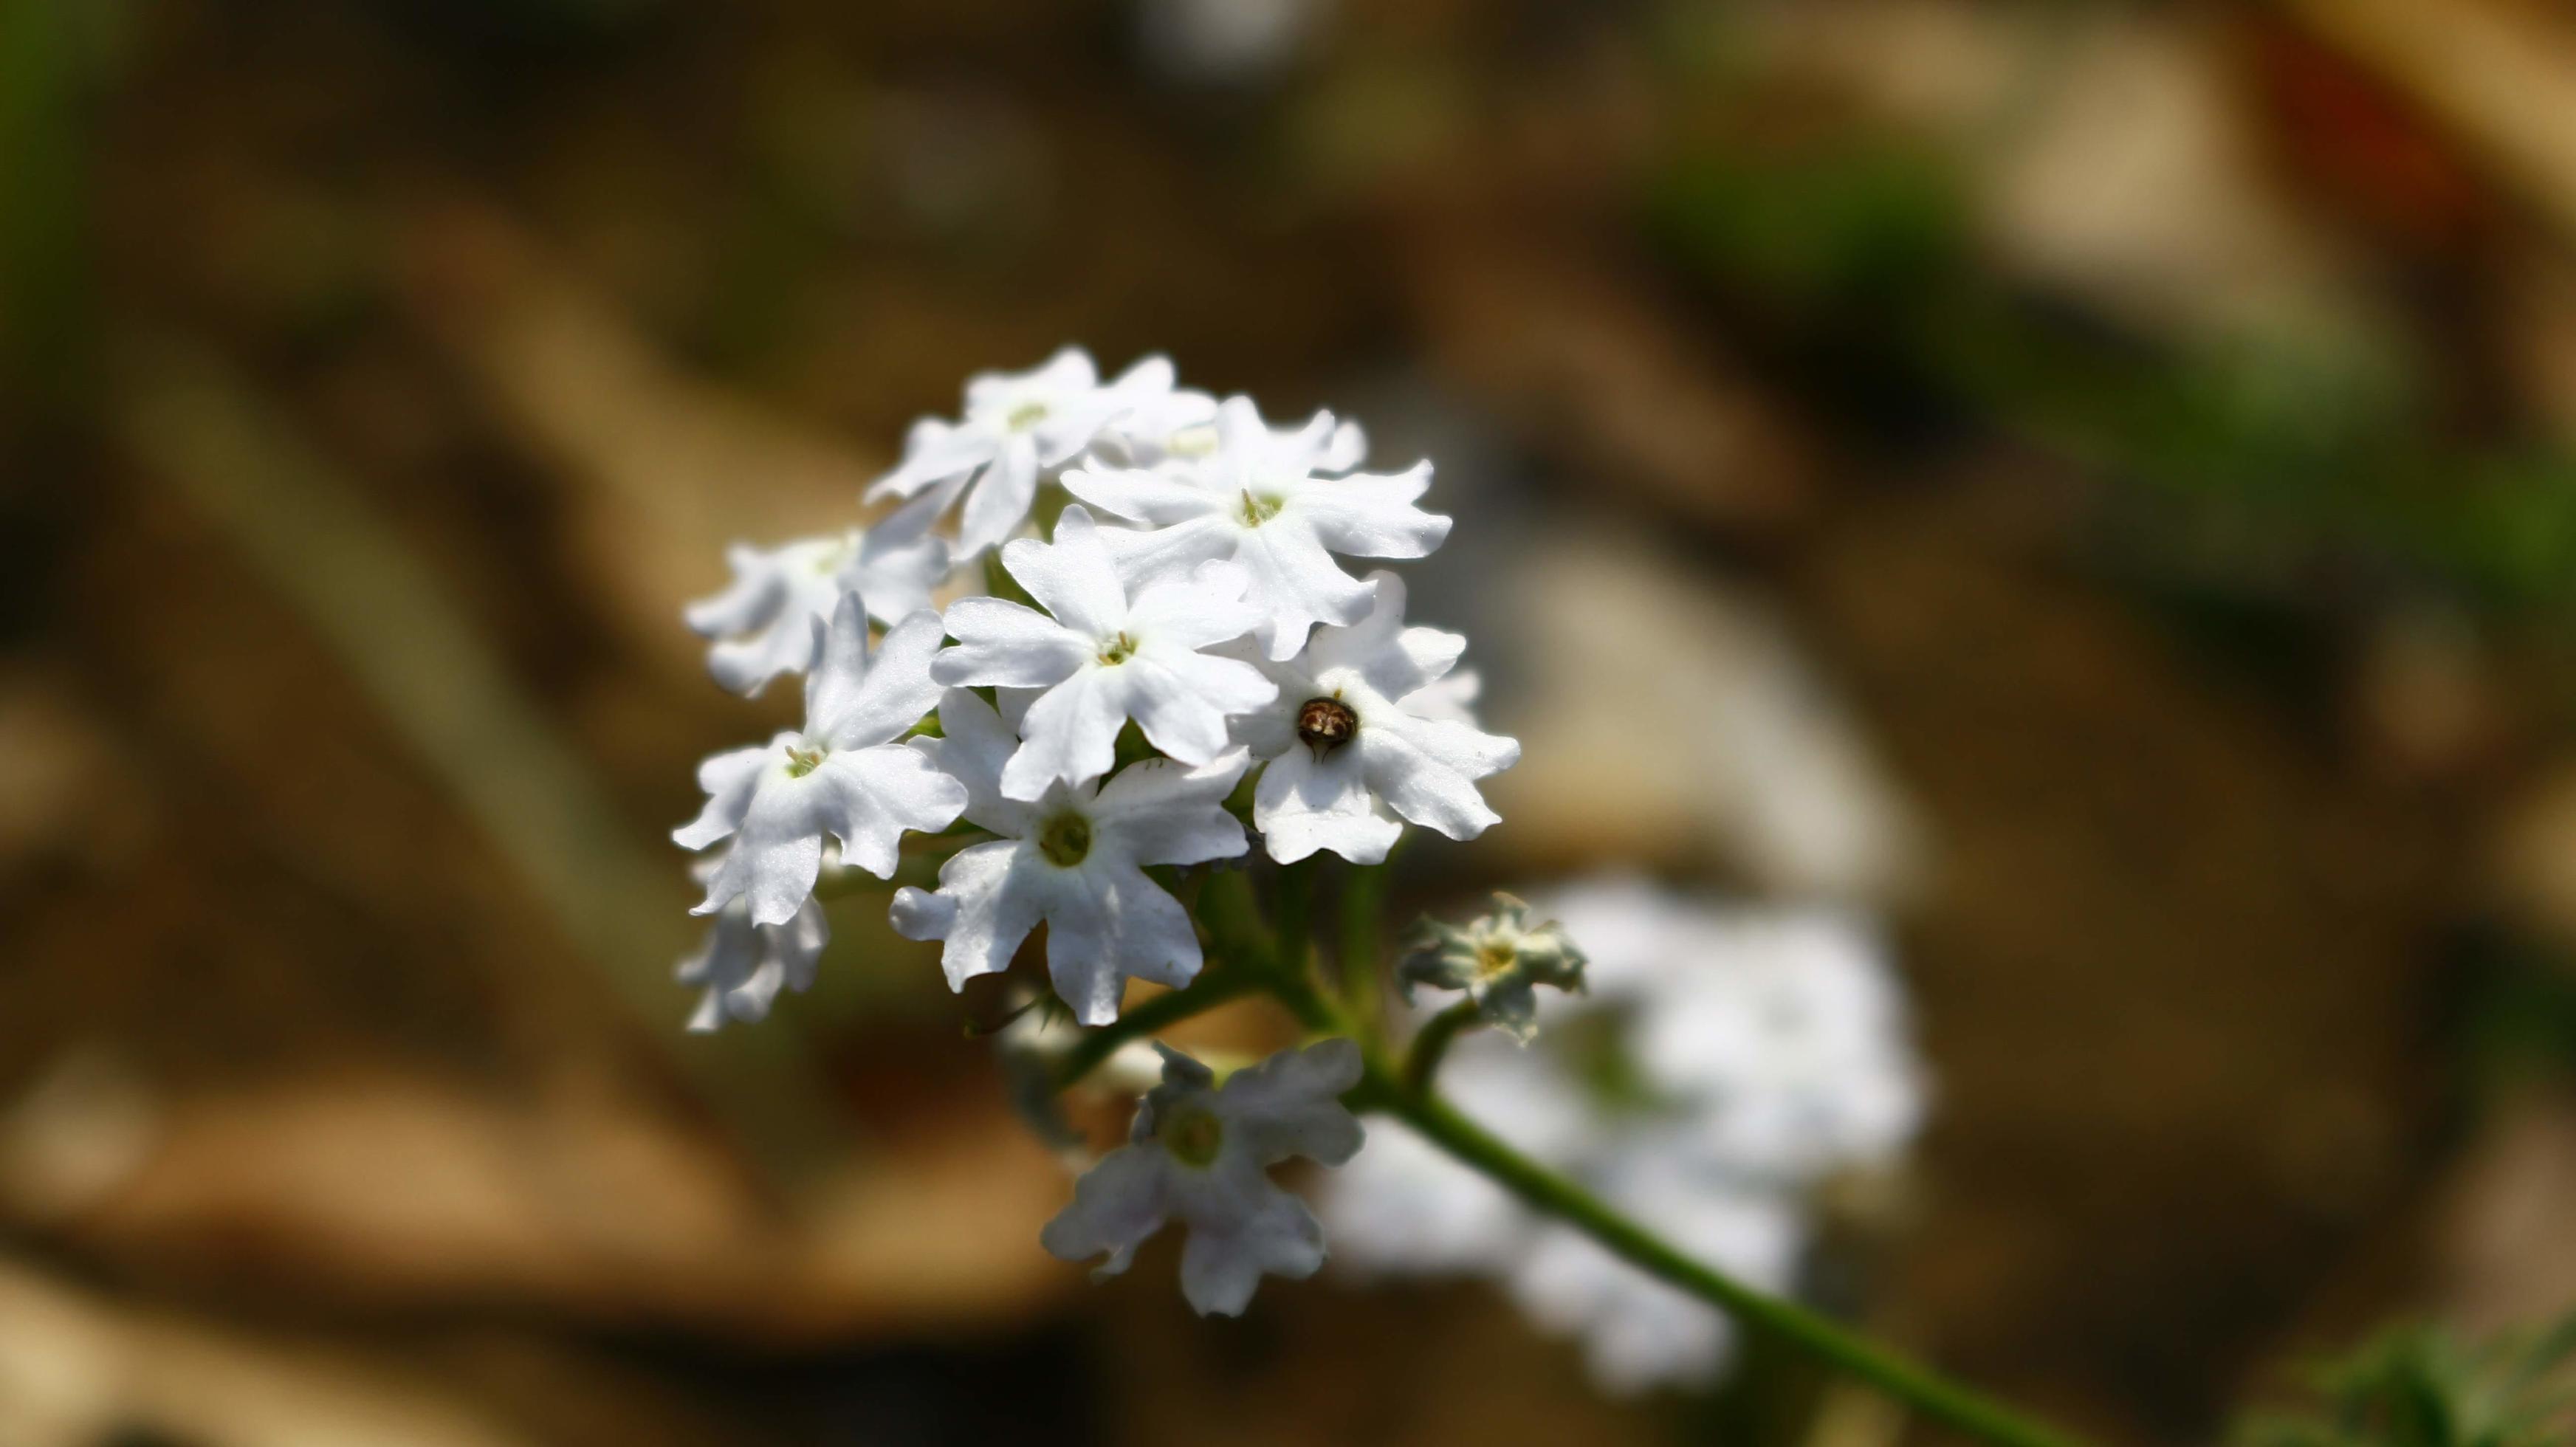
x: 2420, y: 1386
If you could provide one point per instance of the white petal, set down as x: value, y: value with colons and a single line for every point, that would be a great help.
x: 1304, y: 804
x: 1160, y: 812
x: 1291, y: 1104
x: 1221, y: 1267
x: 1107, y: 923
x: 728, y: 779
x: 875, y: 794
x: 1371, y: 516
x: 1116, y: 1205
x: 1072, y: 577
x: 994, y: 896
x: 1296, y: 584
x: 1152, y: 498
x: 1002, y: 642
x: 1182, y: 700
x: 854, y: 699
x: 1206, y: 607
x: 1425, y: 770
x: 934, y: 451
x: 1175, y: 551
x: 1070, y: 733
x: 1001, y: 497
x: 976, y: 745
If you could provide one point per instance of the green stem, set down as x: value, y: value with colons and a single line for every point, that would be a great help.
x: 1157, y: 1014
x: 1363, y: 902
x: 1935, y: 1397
x: 1431, y: 1044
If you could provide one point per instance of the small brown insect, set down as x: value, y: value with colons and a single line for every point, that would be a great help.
x: 1326, y: 724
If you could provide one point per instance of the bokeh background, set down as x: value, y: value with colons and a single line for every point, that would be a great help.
x: 2091, y: 483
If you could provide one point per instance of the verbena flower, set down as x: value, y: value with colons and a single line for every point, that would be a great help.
x: 1787, y: 1033
x: 1016, y: 426
x: 742, y: 966
x: 843, y: 775
x: 1201, y: 1154
x: 1260, y: 499
x: 1103, y: 659
x: 763, y: 622
x: 1499, y: 960
x: 1360, y: 739
x: 1075, y: 859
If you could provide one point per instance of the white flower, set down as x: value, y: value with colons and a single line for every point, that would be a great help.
x: 1201, y: 1155
x: 1361, y: 737
x: 1016, y: 426
x: 763, y: 623
x: 1640, y: 1332
x: 742, y: 966
x: 1258, y: 500
x: 1788, y: 1034
x: 1102, y: 659
x: 1174, y: 429
x: 843, y: 775
x: 1074, y: 859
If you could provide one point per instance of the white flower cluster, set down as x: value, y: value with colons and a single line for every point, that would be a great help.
x: 1723, y: 1065
x: 1207, y: 615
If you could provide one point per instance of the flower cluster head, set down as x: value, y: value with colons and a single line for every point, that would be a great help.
x: 1200, y: 633
x: 1724, y: 1063
x: 1498, y: 961
x: 1200, y: 1153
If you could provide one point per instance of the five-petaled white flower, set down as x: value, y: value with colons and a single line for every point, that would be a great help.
x: 844, y: 775
x: 1259, y: 500
x: 763, y: 622
x: 1361, y: 737
x: 742, y: 966
x: 1202, y: 1154
x: 1104, y: 660
x: 1074, y: 859
x: 1016, y: 425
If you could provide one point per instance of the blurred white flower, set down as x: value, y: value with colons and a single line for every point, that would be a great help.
x: 1103, y: 659
x: 1201, y: 1154
x: 1724, y: 1061
x: 1359, y: 739
x: 1260, y: 500
x: 1074, y: 859
x: 1016, y: 426
x: 763, y: 622
x: 843, y: 775
x: 1639, y: 1332
x: 1227, y: 42
x: 742, y: 966
x: 1787, y: 1037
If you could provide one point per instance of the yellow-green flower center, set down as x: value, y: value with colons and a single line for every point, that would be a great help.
x: 1025, y: 416
x: 801, y: 762
x: 1192, y: 1135
x: 1066, y: 839
x: 1117, y: 650
x: 1259, y: 510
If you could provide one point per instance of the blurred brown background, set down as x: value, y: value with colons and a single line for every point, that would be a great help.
x: 2096, y: 482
